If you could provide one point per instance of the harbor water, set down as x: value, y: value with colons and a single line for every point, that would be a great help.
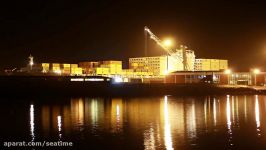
x: 164, y: 122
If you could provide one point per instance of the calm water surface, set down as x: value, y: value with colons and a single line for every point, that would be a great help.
x: 211, y: 122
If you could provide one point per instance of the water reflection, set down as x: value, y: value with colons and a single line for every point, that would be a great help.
x: 32, y: 122
x: 117, y: 115
x: 257, y: 114
x: 167, y: 127
x: 191, y: 120
x: 149, y: 139
x: 158, y: 123
x: 77, y: 112
x: 214, y: 112
x: 228, y: 116
x: 94, y: 112
x: 245, y: 107
x: 59, y: 122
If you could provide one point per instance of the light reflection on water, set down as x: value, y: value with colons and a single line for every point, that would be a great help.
x: 158, y: 123
x: 257, y: 114
x: 167, y: 126
x: 59, y: 121
x: 229, y: 123
x: 32, y: 122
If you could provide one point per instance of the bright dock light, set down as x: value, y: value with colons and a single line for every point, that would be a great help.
x: 167, y: 42
x: 227, y: 71
x: 256, y: 71
x: 58, y: 72
x: 166, y: 72
x: 118, y: 79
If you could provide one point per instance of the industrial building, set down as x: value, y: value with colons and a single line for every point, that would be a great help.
x: 210, y: 64
x: 217, y: 77
x: 156, y: 65
x: 179, y: 59
x: 161, y: 65
x: 139, y: 67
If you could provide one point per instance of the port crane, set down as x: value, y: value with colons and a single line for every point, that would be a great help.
x: 170, y: 52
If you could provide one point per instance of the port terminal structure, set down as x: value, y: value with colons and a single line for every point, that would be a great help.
x: 178, y: 65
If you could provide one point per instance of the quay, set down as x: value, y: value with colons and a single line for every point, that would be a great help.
x: 25, y: 86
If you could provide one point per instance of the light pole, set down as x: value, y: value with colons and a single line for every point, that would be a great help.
x: 31, y: 61
x: 167, y: 43
x: 255, y: 71
x: 228, y: 72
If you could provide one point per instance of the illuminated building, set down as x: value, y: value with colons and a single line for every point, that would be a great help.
x: 210, y: 64
x: 162, y: 65
x: 156, y: 65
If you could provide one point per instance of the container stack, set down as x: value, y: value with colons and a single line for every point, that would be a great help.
x: 115, y: 67
x: 75, y: 70
x: 45, y: 67
x: 89, y: 67
x: 66, y: 69
x: 56, y: 67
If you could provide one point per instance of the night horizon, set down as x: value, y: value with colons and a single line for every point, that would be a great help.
x: 74, y: 32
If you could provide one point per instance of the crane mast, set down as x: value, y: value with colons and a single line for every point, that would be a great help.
x: 169, y: 51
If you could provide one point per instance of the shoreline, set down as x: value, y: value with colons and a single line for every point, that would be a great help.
x: 62, y: 86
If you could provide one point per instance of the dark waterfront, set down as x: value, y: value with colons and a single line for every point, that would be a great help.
x: 167, y: 122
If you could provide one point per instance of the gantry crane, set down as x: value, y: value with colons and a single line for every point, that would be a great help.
x: 170, y: 52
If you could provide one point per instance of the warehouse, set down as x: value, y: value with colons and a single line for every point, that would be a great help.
x: 217, y: 77
x: 161, y: 65
x: 210, y: 64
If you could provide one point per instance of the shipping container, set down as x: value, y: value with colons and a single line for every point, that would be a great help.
x: 74, y: 65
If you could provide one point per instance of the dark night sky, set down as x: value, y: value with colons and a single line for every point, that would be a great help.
x: 73, y: 31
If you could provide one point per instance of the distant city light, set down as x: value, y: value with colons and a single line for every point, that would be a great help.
x: 255, y: 71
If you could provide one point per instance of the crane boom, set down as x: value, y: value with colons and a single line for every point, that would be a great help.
x: 158, y: 41
x: 169, y: 51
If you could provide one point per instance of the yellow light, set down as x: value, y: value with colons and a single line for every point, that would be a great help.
x: 256, y: 71
x: 165, y: 72
x: 257, y: 111
x: 227, y: 71
x: 167, y: 42
x: 58, y: 72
